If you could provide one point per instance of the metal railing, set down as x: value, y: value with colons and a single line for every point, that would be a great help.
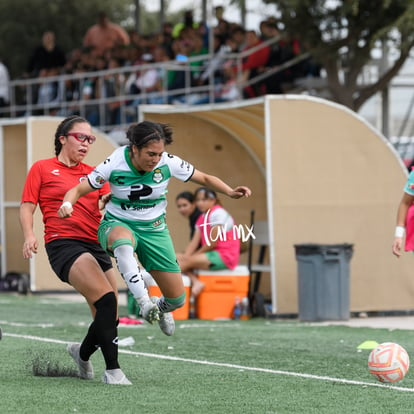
x: 26, y: 94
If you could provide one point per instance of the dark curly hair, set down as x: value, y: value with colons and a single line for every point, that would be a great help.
x: 64, y: 127
x: 142, y: 133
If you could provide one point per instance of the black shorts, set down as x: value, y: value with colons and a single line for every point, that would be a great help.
x: 63, y: 252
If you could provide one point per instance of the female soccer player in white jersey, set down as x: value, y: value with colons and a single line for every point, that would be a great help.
x: 138, y: 175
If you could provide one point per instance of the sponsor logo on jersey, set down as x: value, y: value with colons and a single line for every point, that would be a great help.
x: 55, y: 172
x: 156, y: 223
x: 157, y: 175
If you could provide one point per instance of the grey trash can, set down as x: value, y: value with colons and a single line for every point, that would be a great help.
x: 323, y: 281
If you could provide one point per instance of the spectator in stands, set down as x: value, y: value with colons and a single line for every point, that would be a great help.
x: 223, y: 33
x: 105, y: 35
x: 134, y: 38
x: 72, y: 60
x: 167, y: 38
x: 204, y: 31
x: 147, y: 82
x: 110, y: 86
x: 238, y: 36
x: 198, y: 50
x: 228, y: 90
x: 4, y: 87
x: 254, y: 64
x: 88, y: 93
x: 46, y: 56
x: 133, y: 56
x: 188, y: 21
x: 289, y: 49
x: 274, y: 82
x: 223, y: 26
x: 179, y: 78
x: 214, y: 66
x: 219, y: 15
x: 69, y: 96
x: 146, y: 43
x: 73, y: 90
x: 48, y: 93
x: 214, y: 230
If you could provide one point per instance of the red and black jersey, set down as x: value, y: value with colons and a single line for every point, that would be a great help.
x: 46, y: 184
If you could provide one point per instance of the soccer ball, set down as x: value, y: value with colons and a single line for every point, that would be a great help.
x: 388, y: 362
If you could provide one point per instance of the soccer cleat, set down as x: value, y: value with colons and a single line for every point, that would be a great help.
x: 150, y: 312
x: 115, y: 377
x: 85, y: 367
x: 166, y: 321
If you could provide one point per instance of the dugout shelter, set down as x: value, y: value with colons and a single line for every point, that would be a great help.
x: 319, y: 174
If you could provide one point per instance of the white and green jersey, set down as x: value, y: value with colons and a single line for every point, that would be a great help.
x: 136, y: 195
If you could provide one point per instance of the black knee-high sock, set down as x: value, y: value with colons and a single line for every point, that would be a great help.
x: 90, y: 343
x: 103, y: 331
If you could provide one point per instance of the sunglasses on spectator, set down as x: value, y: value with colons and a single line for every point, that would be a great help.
x: 82, y: 137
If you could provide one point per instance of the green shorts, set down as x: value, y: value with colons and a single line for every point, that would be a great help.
x: 153, y: 244
x: 215, y: 260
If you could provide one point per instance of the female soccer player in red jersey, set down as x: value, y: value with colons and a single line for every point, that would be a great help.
x: 72, y: 245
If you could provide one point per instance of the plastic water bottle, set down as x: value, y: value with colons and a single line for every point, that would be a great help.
x: 237, y: 308
x: 245, y: 309
x: 192, y: 312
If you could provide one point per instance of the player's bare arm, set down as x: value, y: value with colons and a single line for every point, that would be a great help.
x: 219, y: 185
x: 72, y: 196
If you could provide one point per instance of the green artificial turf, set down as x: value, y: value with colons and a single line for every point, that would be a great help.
x: 255, y: 366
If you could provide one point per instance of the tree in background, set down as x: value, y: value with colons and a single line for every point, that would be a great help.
x: 341, y: 35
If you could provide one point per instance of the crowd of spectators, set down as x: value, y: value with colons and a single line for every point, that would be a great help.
x: 107, y: 45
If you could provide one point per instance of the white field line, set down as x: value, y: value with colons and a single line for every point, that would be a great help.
x: 231, y: 366
x: 32, y: 325
x: 181, y: 326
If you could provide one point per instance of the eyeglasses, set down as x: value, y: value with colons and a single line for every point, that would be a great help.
x: 82, y: 137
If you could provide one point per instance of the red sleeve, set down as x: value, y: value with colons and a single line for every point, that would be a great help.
x: 31, y: 189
